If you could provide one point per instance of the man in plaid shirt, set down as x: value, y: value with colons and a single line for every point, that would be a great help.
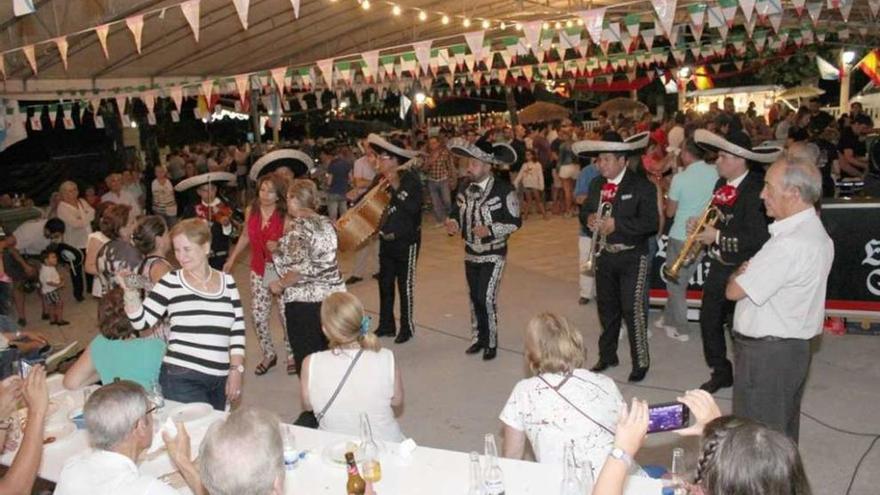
x: 440, y: 169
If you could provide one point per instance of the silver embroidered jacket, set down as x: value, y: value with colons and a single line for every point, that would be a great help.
x: 496, y: 206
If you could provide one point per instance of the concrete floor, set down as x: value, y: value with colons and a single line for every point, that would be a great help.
x: 453, y: 399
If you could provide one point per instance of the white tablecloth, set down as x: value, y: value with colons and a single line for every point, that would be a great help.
x: 429, y: 470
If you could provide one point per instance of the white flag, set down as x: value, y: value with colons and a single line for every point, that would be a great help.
x: 207, y: 89
x: 371, y: 59
x: 665, y: 10
x: 190, y: 10
x: 241, y: 83
x: 23, y: 7
x: 31, y: 57
x: 423, y: 54
x: 475, y: 42
x: 135, y: 24
x: 326, y: 67
x: 593, y: 21
x: 62, y: 45
x: 102, y: 32
x: 295, y: 4
x: 242, y: 7
x: 532, y: 33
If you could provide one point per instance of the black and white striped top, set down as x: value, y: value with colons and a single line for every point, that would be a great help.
x: 205, y: 328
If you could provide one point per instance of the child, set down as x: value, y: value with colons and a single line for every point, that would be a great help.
x: 50, y: 283
x: 531, y: 176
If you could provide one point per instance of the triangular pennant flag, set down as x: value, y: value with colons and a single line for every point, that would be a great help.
x: 633, y: 24
x: 827, y: 71
x: 845, y: 8
x: 371, y: 61
x: 475, y: 42
x: 96, y: 105
x: 648, y: 38
x: 528, y: 71
x: 120, y: 103
x: 507, y: 58
x: 723, y: 30
x: 149, y: 99
x: 665, y: 10
x: 23, y: 7
x: 815, y: 10
x: 776, y: 22
x: 697, y: 13
x: 502, y: 76
x: 875, y: 7
x: 715, y: 16
x: 750, y: 25
x: 190, y: 10
x: 423, y: 54
x: 747, y: 6
x: 532, y: 33
x: 593, y: 21
x: 716, y: 68
x: 295, y: 4
x: 102, y: 32
x: 68, y: 117
x: 799, y: 6
x: 177, y: 96
x: 31, y: 57
x: 62, y: 45
x: 2, y: 66
x: 278, y: 78
x: 569, y: 40
x: 450, y: 79
x: 697, y: 31
x: 207, y: 89
x: 326, y: 67
x: 241, y: 83
x: 242, y: 7
x: 135, y: 24
x: 739, y: 64
x: 870, y: 65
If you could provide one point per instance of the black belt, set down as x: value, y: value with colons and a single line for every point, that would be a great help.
x: 767, y: 338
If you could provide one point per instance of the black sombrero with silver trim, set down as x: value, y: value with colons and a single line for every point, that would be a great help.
x: 394, y: 148
x: 611, y: 143
x: 298, y: 162
x: 738, y: 144
x: 202, y: 179
x: 484, y: 151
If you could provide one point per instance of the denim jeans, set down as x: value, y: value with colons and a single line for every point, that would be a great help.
x: 440, y: 198
x: 675, y: 313
x: 185, y: 385
x: 337, y: 205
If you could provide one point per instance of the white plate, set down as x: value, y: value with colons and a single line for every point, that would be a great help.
x: 334, y: 454
x: 58, y: 431
x: 191, y: 412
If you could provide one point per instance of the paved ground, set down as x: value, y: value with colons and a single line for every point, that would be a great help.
x: 453, y: 399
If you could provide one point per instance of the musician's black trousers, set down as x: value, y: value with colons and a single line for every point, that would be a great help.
x: 483, y: 275
x: 621, y: 285
x: 397, y: 264
x: 716, y: 312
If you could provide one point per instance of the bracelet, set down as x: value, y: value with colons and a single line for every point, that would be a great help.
x: 6, y: 424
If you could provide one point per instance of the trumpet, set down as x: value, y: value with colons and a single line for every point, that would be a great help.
x: 589, y: 266
x: 692, y: 247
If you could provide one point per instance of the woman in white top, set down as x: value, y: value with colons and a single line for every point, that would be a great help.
x: 374, y: 385
x: 77, y: 216
x: 562, y: 403
x: 164, y: 203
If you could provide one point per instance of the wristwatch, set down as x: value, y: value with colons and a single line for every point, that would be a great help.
x: 620, y: 455
x: 236, y: 367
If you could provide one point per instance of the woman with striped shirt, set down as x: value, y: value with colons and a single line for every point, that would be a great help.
x: 205, y: 356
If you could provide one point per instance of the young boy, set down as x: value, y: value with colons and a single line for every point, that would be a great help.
x: 50, y: 286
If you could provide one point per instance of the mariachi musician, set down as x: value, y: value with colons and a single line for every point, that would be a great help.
x: 485, y: 212
x: 211, y: 208
x: 399, y: 237
x: 738, y: 235
x: 623, y: 234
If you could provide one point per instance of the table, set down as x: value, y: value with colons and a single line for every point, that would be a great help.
x: 429, y: 470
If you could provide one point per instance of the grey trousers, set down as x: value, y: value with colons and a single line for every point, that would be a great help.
x: 675, y: 312
x: 768, y: 381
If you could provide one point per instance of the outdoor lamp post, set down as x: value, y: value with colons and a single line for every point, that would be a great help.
x: 847, y: 57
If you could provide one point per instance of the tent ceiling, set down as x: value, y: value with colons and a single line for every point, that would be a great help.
x: 274, y: 37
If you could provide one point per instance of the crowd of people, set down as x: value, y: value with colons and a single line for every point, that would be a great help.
x: 160, y: 255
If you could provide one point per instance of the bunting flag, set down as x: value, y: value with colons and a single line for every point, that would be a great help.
x: 371, y: 61
x: 120, y: 103
x: 278, y: 78
x: 633, y: 24
x: 326, y: 67
x: 776, y: 22
x: 532, y: 33
x: 31, y: 57
x: 665, y: 10
x: 2, y: 66
x: 190, y: 10
x: 799, y: 6
x: 728, y: 11
x: 242, y: 7
x: 241, y: 83
x: 207, y: 88
x: 23, y: 7
x: 475, y: 42
x: 594, y: 20
x: 295, y: 4
x: 875, y: 7
x: 815, y: 10
x: 648, y: 38
x: 747, y: 6
x: 870, y: 65
x: 177, y: 97
x: 135, y: 24
x: 423, y: 54
x: 845, y: 7
x: 569, y: 40
x: 102, y: 32
x: 62, y: 45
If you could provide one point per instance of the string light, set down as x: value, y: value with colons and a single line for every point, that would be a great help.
x: 546, y: 25
x: 568, y: 23
x: 580, y: 22
x: 423, y: 16
x: 486, y: 24
x: 558, y: 25
x: 395, y: 10
x: 466, y: 22
x: 445, y: 19
x: 365, y: 5
x: 503, y: 25
x: 518, y: 26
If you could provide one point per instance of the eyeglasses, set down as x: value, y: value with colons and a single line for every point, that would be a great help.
x: 151, y: 410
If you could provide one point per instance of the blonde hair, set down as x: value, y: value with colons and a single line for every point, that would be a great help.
x: 342, y: 315
x: 304, y: 192
x: 194, y: 229
x: 553, y: 345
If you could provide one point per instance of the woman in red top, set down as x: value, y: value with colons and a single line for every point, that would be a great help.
x: 264, y: 221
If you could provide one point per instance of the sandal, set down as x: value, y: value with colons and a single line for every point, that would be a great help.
x: 291, y: 366
x: 264, y: 366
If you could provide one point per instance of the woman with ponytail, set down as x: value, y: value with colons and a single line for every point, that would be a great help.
x: 373, y: 384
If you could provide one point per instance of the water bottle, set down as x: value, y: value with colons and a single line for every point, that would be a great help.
x: 677, y: 471
x: 475, y: 483
x: 493, y: 477
x: 291, y: 456
x: 371, y: 469
x: 571, y: 484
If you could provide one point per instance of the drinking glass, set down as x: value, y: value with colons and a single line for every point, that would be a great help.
x: 155, y: 395
x: 291, y: 456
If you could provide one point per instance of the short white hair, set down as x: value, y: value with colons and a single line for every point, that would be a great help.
x: 243, y: 454
x: 112, y: 412
x: 802, y: 175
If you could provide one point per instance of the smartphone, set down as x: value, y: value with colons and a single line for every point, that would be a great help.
x: 667, y: 417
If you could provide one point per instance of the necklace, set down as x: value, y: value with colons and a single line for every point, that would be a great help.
x: 203, y: 281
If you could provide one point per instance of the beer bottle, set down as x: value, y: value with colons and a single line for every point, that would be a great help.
x: 356, y: 485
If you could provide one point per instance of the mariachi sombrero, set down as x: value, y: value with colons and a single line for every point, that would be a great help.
x: 297, y: 161
x: 484, y: 151
x: 737, y: 143
x: 202, y: 179
x: 611, y: 143
x: 394, y: 148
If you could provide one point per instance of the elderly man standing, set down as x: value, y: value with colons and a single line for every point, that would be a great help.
x: 116, y: 194
x: 119, y: 421
x: 780, y: 294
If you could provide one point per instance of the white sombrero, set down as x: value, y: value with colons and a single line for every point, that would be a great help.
x: 293, y: 159
x: 208, y: 178
x: 737, y: 144
x: 611, y: 143
x: 484, y: 151
x: 379, y: 144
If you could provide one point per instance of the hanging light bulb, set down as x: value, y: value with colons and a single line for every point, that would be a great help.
x: 423, y: 16
x: 503, y: 25
x: 580, y: 22
x: 395, y: 10
x: 558, y: 25
x: 568, y: 23
x: 486, y: 24
x: 546, y: 25
x: 445, y: 19
x: 365, y: 5
x: 518, y: 26
x: 466, y: 22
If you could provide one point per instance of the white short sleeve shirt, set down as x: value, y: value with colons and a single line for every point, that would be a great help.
x: 101, y: 472
x: 785, y: 281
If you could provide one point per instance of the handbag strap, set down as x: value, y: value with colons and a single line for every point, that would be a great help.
x: 576, y: 408
x: 339, y: 387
